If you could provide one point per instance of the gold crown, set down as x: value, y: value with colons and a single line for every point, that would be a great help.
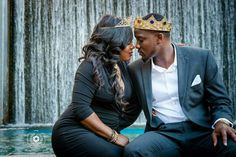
x: 152, y: 24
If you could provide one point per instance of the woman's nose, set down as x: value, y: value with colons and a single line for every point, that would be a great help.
x: 131, y: 46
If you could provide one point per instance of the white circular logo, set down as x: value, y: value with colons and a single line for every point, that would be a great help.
x: 36, y: 138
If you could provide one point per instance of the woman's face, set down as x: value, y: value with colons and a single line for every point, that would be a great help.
x: 126, y: 53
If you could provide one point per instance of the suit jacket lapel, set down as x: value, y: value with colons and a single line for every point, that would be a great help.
x: 183, y: 71
x: 147, y: 84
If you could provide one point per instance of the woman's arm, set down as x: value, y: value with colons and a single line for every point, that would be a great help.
x: 97, y: 126
x: 83, y: 94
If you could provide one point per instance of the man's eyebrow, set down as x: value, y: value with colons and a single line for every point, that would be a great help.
x: 138, y: 36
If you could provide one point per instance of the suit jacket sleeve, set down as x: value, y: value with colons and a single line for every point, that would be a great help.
x: 216, y: 94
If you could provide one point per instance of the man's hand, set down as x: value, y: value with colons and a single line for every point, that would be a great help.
x: 223, y: 130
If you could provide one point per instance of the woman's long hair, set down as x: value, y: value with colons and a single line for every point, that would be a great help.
x: 103, y: 49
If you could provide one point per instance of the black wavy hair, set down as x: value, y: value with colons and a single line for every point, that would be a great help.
x: 103, y: 49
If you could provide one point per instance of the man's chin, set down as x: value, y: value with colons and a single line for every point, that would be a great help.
x: 145, y: 59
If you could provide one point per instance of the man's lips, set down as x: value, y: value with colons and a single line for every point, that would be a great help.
x: 140, y: 53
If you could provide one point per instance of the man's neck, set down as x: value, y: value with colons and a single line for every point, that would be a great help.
x: 165, y: 57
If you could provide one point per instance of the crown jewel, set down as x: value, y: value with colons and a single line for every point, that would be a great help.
x: 152, y: 24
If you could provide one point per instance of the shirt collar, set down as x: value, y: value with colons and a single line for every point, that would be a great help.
x: 175, y: 52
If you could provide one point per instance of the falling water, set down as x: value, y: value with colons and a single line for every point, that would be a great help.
x: 19, y: 79
x: 49, y: 35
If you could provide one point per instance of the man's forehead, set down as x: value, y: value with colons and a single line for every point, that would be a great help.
x: 140, y: 32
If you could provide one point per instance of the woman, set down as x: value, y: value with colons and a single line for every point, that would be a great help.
x: 103, y: 102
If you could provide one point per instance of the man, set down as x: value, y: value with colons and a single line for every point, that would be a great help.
x: 183, y: 97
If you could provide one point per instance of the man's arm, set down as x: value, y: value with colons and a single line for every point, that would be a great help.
x: 221, y: 107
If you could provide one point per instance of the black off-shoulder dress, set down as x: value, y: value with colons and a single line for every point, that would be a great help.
x: 72, y: 139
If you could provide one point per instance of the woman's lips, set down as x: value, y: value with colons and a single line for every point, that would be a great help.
x: 130, y: 53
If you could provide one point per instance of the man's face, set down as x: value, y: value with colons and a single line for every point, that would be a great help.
x: 146, y: 43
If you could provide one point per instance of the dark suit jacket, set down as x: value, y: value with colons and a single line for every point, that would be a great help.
x: 203, y: 103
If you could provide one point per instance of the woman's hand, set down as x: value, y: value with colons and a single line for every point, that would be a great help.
x: 122, y: 140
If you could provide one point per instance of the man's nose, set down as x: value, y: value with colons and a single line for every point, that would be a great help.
x: 137, y: 46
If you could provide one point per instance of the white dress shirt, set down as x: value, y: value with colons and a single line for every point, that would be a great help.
x: 166, y: 103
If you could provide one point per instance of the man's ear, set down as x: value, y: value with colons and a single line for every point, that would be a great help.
x: 159, y: 37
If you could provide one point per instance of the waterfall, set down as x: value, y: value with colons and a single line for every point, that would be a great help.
x: 19, y: 72
x: 49, y: 34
